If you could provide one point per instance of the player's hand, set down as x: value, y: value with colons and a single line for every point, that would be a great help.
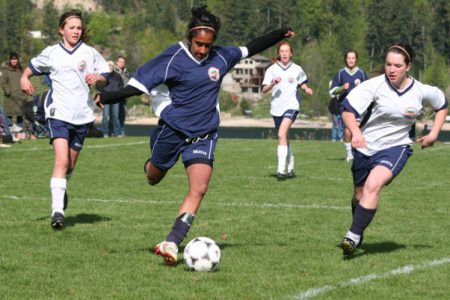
x: 26, y: 86
x: 97, y: 101
x: 346, y: 85
x: 276, y: 80
x: 290, y: 34
x: 309, y: 91
x: 426, y: 141
x: 91, y: 78
x: 358, y: 140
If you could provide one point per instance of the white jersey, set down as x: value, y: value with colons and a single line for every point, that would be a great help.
x: 285, y: 94
x: 69, y: 97
x: 394, y: 112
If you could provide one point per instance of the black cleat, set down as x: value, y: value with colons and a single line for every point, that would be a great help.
x: 291, y: 174
x: 57, y: 221
x: 66, y: 201
x: 348, y: 246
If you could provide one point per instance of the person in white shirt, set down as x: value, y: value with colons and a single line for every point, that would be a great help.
x: 388, y: 106
x: 72, y: 67
x: 284, y: 78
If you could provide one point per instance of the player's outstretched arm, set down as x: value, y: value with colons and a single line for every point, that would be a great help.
x: 268, y: 40
x: 116, y: 96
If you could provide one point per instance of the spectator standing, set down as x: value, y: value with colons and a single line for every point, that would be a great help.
x: 120, y: 68
x: 15, y: 98
x: 110, y: 115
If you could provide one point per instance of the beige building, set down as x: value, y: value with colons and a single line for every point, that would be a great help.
x: 247, y: 76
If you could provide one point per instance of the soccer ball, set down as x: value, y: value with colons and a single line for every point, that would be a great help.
x: 202, y: 254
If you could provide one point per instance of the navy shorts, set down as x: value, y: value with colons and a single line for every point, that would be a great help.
x: 167, y: 145
x: 394, y: 159
x: 75, y: 134
x: 290, y: 114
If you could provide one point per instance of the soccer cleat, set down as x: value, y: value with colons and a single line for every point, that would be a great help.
x: 57, y: 221
x: 169, y: 250
x: 66, y: 201
x: 281, y: 176
x: 291, y: 174
x: 348, y: 246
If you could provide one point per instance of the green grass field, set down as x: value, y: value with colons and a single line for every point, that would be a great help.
x: 282, y: 236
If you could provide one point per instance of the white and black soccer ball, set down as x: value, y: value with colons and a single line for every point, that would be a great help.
x: 202, y: 254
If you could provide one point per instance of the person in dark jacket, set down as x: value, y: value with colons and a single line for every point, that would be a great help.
x: 110, y: 116
x: 10, y: 82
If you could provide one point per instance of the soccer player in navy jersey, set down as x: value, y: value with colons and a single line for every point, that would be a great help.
x: 69, y: 109
x: 389, y: 104
x: 284, y: 78
x: 345, y: 80
x: 192, y: 72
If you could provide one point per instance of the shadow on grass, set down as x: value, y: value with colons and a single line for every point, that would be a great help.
x: 373, y: 248
x: 70, y: 221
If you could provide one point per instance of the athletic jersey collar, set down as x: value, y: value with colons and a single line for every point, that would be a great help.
x: 186, y: 49
x: 350, y: 72
x: 400, y: 93
x: 70, y: 51
x: 280, y: 64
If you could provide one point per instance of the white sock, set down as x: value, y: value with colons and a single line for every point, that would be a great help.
x: 348, y: 148
x: 58, y: 187
x: 354, y: 237
x: 282, y: 156
x: 290, y: 159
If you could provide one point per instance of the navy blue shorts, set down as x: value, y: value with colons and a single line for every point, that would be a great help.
x: 75, y: 134
x: 394, y: 159
x: 167, y: 145
x: 290, y: 114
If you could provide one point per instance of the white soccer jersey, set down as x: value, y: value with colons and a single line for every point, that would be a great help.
x: 394, y: 112
x: 69, y: 98
x: 285, y: 94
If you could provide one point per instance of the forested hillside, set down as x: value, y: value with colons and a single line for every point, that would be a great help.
x: 324, y: 29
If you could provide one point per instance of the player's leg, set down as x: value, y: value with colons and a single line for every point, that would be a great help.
x: 282, y: 149
x: 58, y: 182
x: 198, y: 157
x: 154, y: 174
x: 348, y: 145
x: 199, y: 176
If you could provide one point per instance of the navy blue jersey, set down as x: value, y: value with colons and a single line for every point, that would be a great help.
x: 344, y: 75
x: 193, y: 85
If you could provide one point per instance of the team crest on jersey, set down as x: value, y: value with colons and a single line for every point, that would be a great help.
x: 82, y: 66
x: 357, y: 81
x: 291, y: 80
x: 214, y: 74
x: 410, y: 113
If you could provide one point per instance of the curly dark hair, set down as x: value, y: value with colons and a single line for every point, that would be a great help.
x: 203, y: 19
x: 74, y: 13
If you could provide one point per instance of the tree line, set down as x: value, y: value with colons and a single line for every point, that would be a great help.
x: 140, y: 29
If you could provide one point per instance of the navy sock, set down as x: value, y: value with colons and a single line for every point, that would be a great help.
x: 180, y: 228
x: 361, y: 219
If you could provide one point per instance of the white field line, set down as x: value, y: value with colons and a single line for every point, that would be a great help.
x: 313, y: 292
x: 49, y: 148
x: 165, y: 202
